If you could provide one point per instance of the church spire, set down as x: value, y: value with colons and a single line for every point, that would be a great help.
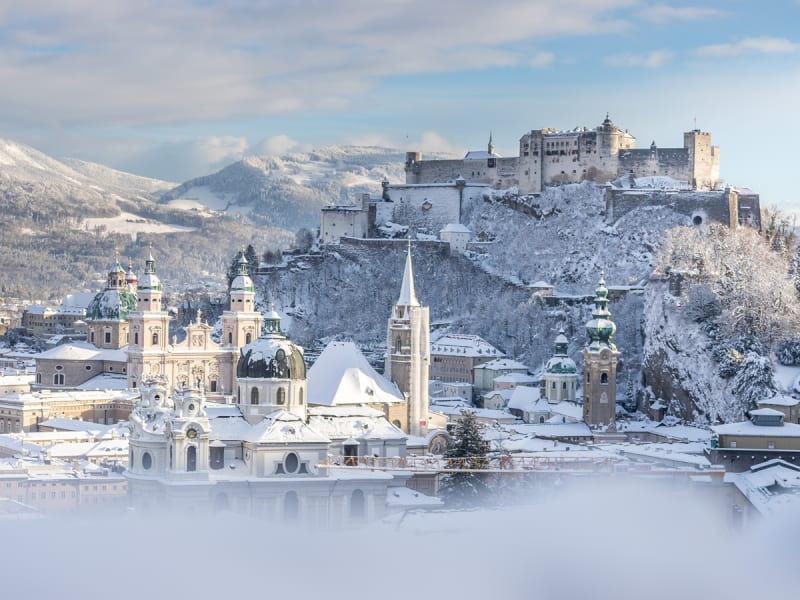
x: 408, y: 296
x: 491, y: 145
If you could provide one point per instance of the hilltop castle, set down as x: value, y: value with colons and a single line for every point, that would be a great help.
x: 551, y: 157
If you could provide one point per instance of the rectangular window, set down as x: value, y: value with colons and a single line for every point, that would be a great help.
x: 733, y: 444
x: 771, y: 445
x: 108, y: 337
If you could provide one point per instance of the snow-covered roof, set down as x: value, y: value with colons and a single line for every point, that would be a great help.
x: 282, y: 427
x: 456, y: 344
x: 341, y: 375
x: 503, y: 364
x: 771, y: 487
x: 74, y: 351
x: 105, y: 381
x: 60, y: 424
x: 766, y: 412
x: 455, y: 228
x: 750, y: 429
x: 547, y: 430
x: 113, y: 354
x: 515, y: 378
x: 344, y: 423
x: 523, y: 397
x: 779, y: 400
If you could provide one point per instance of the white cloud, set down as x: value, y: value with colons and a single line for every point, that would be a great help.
x: 276, y: 145
x: 542, y: 59
x: 102, y: 63
x: 432, y: 141
x: 762, y: 45
x: 380, y: 140
x: 651, y: 60
x: 189, y: 158
x: 663, y: 13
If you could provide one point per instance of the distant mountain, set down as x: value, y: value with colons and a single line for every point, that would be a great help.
x: 35, y: 185
x: 290, y: 190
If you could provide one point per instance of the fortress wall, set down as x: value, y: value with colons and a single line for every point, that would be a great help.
x: 434, y: 171
x: 670, y: 162
x: 706, y: 206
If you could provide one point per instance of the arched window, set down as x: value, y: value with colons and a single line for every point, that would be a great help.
x: 281, y: 396
x: 357, y: 504
x: 58, y: 379
x: 136, y: 338
x: 230, y: 338
x: 191, y: 458
x: 91, y: 336
x: 38, y: 378
x: 541, y: 419
x: 291, y: 506
x: 397, y: 345
x: 564, y: 385
x: 248, y: 338
x: 604, y: 378
x: 254, y: 396
x: 155, y: 339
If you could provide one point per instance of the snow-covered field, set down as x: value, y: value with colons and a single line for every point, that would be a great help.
x: 131, y: 224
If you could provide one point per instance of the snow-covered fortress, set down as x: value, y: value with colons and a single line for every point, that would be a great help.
x: 551, y: 157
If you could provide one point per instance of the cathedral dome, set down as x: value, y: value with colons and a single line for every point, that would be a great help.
x: 560, y: 364
x: 148, y: 282
x: 271, y: 357
x: 242, y: 283
x: 111, y: 305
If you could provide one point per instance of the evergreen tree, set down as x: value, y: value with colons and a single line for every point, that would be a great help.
x: 252, y: 258
x: 233, y: 268
x: 467, y: 452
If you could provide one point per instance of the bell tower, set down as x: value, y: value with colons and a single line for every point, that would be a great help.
x: 242, y: 323
x: 408, y: 350
x: 600, y: 358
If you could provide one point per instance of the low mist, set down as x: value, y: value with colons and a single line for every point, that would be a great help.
x: 614, y: 539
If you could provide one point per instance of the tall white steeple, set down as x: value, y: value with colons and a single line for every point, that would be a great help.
x: 408, y: 350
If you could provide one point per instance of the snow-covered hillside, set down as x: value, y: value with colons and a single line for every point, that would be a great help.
x: 32, y: 183
x: 290, y: 190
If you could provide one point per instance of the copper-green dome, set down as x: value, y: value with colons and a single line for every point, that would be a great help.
x: 111, y: 305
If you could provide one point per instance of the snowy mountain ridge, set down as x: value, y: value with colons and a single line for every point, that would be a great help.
x: 289, y: 190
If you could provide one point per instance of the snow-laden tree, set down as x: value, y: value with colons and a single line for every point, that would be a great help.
x: 757, y: 297
x: 754, y: 381
x: 788, y: 352
x: 467, y: 452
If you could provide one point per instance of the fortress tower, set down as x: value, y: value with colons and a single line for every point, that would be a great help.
x: 600, y: 358
x: 408, y: 350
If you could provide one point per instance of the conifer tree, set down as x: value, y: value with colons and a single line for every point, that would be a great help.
x: 467, y: 452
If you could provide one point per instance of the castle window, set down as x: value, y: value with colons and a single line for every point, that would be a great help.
x: 604, y: 378
x: 58, y: 379
x: 254, y: 396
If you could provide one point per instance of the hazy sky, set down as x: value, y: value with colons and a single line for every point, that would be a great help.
x: 179, y: 89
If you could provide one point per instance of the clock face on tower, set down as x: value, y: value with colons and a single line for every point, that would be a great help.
x: 191, y: 433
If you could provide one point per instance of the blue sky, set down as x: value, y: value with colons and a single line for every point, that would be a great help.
x: 179, y: 89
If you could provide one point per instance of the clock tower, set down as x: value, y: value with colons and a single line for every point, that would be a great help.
x: 600, y: 358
